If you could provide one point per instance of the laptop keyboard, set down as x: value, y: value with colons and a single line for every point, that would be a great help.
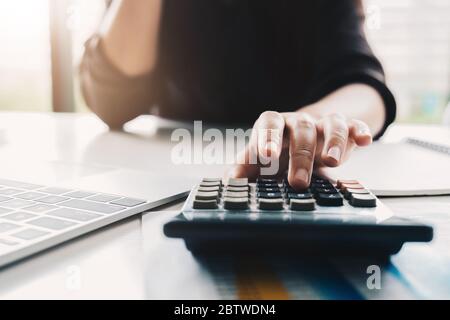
x: 31, y: 213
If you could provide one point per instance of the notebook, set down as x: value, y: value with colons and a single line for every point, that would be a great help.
x: 413, y: 167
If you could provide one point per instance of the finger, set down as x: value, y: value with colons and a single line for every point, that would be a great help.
x: 302, y: 147
x: 360, y: 132
x: 269, y: 129
x: 336, y: 132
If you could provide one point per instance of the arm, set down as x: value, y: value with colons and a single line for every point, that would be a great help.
x: 349, y: 103
x: 130, y: 35
x: 117, y: 73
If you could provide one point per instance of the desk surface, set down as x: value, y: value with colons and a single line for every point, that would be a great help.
x: 133, y: 260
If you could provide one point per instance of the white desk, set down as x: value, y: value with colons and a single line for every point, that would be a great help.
x: 131, y: 259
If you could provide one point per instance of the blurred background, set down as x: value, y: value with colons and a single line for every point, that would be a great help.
x: 42, y: 43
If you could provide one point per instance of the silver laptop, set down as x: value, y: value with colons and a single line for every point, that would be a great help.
x: 34, y: 216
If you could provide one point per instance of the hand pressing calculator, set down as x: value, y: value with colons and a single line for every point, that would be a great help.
x: 269, y: 216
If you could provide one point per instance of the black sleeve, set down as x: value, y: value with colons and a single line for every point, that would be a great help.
x: 343, y: 56
x: 113, y: 96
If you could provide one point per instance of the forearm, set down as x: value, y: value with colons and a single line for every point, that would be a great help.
x: 355, y: 101
x: 130, y: 35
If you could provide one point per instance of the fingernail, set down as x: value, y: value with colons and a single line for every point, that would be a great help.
x: 335, y: 153
x: 364, y: 131
x: 271, y: 149
x: 303, y: 175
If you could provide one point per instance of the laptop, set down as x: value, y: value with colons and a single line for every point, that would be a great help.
x: 36, y: 215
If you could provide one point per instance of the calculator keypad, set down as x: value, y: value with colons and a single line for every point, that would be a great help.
x: 277, y: 195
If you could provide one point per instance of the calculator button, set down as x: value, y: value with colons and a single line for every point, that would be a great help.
x: 230, y: 194
x: 363, y: 200
x: 213, y: 195
x: 237, y: 189
x: 271, y: 204
x: 235, y: 203
x: 210, y: 184
x: 302, y: 204
x: 298, y: 196
x: 209, y: 189
x: 266, y: 180
x: 217, y: 180
x: 329, y: 200
x: 269, y: 195
x: 205, y: 204
x: 348, y: 192
x: 277, y: 189
x: 321, y: 186
x: 325, y: 190
x: 267, y: 185
x: 341, y: 182
x: 238, y: 182
x: 351, y: 186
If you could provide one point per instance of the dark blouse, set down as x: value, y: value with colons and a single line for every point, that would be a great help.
x: 229, y: 60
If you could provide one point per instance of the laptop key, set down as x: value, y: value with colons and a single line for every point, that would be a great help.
x: 51, y: 223
x: 52, y: 199
x: 74, y: 214
x: 19, y: 216
x: 16, y: 203
x: 3, y: 198
x: 128, y: 202
x: 103, y: 197
x: 4, y: 210
x: 6, y: 226
x: 30, y: 234
x: 40, y: 208
x: 18, y: 184
x: 7, y: 242
x: 79, y: 194
x: 30, y: 195
x: 55, y: 190
x: 10, y: 191
x: 91, y: 206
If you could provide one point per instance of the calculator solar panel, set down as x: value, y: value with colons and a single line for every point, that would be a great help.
x: 269, y: 215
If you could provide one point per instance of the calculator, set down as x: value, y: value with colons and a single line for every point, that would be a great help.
x: 269, y: 216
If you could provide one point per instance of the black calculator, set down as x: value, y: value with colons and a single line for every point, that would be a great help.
x: 269, y: 216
